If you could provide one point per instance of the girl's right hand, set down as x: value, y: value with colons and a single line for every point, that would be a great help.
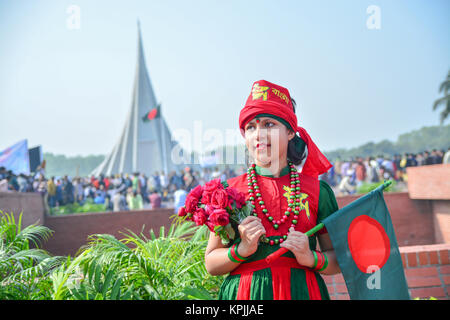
x: 250, y: 229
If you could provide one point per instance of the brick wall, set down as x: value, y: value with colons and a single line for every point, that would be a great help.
x: 72, y: 231
x: 412, y: 219
x: 427, y: 271
x: 429, y: 182
x: 31, y: 204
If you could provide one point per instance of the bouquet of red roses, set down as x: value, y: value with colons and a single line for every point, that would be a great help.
x: 219, y: 207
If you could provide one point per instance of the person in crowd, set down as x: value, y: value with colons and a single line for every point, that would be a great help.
x: 179, y: 198
x: 360, y: 172
x: 155, y: 199
x: 78, y: 190
x: 143, y: 186
x: 119, y: 201
x: 67, y: 188
x: 189, y: 179
x: 4, y: 185
x: 99, y: 197
x: 108, y: 203
x: 3, y: 173
x: 22, y: 182
x: 12, y: 181
x: 446, y: 158
x: 116, y: 201
x: 134, y: 200
x: 51, y: 190
x: 345, y: 176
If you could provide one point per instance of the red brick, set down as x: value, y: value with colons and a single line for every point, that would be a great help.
x: 403, y: 255
x: 417, y: 282
x: 339, y: 278
x: 436, y: 292
x: 443, y: 254
x: 423, y: 258
x: 412, y: 259
x: 421, y: 272
x: 444, y: 269
x: 434, y: 259
x: 341, y: 288
x: 446, y: 279
x: 328, y: 279
x: 343, y: 297
x: 330, y: 290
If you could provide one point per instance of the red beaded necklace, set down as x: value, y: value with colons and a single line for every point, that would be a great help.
x: 293, y: 203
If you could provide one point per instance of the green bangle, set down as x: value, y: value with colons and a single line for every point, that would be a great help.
x: 238, y: 255
x: 231, y: 257
x: 316, y: 260
x: 325, y: 265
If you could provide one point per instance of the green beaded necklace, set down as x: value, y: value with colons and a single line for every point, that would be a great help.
x: 255, y: 197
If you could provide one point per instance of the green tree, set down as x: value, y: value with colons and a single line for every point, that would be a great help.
x: 60, y: 165
x: 445, y: 100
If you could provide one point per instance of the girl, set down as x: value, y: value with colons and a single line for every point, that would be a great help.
x: 287, y: 204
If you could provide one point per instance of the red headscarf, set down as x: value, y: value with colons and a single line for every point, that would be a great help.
x: 270, y: 98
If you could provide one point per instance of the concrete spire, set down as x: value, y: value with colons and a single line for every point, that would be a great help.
x: 144, y: 146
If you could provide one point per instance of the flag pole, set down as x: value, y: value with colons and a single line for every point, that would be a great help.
x: 272, y: 257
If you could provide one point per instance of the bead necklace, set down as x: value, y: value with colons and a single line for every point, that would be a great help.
x: 293, y: 209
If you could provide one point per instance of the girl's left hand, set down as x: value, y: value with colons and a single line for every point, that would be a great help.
x: 298, y: 243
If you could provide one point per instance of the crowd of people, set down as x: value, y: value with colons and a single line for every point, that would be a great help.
x: 135, y: 191
x: 347, y: 175
x: 120, y: 192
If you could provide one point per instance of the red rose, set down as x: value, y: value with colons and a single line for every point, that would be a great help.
x: 182, y: 212
x: 209, y: 225
x: 209, y: 188
x: 219, y: 217
x: 213, y: 185
x: 237, y: 196
x: 219, y: 199
x: 197, y: 192
x: 191, y: 203
x: 192, y: 199
x: 209, y: 210
x: 200, y: 217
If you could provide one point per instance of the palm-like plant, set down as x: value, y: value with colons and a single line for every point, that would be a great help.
x: 445, y: 100
x: 23, y: 266
x: 167, y: 267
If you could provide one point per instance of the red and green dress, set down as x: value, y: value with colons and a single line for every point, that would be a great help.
x: 283, y: 279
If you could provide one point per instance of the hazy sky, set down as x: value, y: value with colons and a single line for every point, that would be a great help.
x: 69, y: 90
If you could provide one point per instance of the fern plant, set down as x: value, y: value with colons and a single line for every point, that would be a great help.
x: 24, y: 268
x: 168, y: 266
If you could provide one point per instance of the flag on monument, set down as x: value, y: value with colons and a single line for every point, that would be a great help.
x: 366, y: 249
x: 152, y: 114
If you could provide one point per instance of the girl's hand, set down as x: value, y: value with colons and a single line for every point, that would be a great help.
x: 298, y: 243
x: 250, y: 229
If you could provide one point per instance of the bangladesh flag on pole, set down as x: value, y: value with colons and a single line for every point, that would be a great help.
x: 152, y: 114
x: 366, y: 249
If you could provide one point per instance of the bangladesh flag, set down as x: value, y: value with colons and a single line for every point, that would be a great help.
x: 366, y: 249
x: 152, y: 114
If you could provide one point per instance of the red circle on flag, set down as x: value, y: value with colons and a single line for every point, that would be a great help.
x: 368, y: 243
x: 152, y: 114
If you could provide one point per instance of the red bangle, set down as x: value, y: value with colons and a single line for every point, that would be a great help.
x: 320, y: 261
x: 234, y: 253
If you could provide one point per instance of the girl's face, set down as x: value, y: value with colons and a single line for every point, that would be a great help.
x: 267, y: 141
